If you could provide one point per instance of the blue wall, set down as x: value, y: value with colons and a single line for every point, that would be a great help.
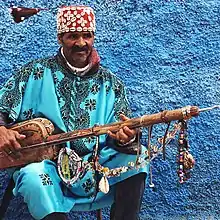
x: 167, y: 53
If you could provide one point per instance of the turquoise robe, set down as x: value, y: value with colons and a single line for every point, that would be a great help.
x: 47, y: 88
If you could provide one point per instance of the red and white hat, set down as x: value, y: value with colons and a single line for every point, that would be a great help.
x: 75, y: 18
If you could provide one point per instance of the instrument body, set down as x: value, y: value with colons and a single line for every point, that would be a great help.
x: 35, y: 130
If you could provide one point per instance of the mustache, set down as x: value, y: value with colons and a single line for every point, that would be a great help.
x: 79, y: 49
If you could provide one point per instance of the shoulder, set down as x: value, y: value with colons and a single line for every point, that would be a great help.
x: 41, y: 62
x: 110, y: 76
x: 35, y: 65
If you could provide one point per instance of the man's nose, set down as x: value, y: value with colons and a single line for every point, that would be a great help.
x: 80, y: 42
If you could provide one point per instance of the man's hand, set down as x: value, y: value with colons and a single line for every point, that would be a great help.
x: 9, y: 144
x: 125, y: 134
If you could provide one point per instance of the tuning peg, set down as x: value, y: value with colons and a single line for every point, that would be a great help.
x: 19, y: 14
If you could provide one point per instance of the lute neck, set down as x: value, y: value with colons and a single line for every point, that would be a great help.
x: 144, y: 121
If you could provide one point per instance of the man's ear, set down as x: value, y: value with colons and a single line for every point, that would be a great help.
x: 60, y: 39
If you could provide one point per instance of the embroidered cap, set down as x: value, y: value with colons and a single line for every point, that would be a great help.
x: 75, y: 18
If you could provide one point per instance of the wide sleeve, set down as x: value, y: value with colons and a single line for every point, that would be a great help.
x: 11, y: 94
x: 120, y: 102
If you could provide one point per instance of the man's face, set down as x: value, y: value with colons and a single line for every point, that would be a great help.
x: 77, y: 47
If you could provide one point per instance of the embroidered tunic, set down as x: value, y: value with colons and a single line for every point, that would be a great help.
x: 47, y: 88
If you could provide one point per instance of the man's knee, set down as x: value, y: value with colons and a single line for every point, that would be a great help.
x: 55, y: 216
x: 32, y: 178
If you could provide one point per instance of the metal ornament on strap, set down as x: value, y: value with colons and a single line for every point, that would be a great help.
x: 70, y: 166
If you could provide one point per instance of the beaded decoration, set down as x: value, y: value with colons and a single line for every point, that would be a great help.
x: 71, y: 166
x: 185, y: 159
x: 75, y: 18
x: 149, y: 155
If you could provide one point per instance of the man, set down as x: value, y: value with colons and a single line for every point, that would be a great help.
x: 73, y: 91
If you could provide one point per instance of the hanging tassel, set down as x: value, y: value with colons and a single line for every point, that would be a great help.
x: 19, y: 14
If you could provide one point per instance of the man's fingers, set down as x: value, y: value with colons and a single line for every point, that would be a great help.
x: 129, y: 132
x: 16, y: 147
x: 20, y: 136
x: 9, y: 144
x: 123, y: 117
x: 122, y: 136
x: 12, y: 146
x: 112, y: 135
x: 119, y: 136
x: 10, y: 153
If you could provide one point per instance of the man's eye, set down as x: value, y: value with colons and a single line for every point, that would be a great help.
x: 73, y: 36
x: 87, y: 35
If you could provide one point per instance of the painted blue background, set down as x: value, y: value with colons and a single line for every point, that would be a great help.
x: 167, y: 53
